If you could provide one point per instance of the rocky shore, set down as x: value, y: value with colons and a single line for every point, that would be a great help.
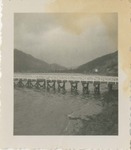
x: 94, y: 120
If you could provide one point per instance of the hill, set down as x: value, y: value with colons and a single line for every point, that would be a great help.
x: 27, y: 63
x: 106, y: 65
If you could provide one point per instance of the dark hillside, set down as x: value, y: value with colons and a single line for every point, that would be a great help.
x: 106, y: 65
x: 26, y: 63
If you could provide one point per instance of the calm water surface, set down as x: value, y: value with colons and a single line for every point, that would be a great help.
x: 38, y: 112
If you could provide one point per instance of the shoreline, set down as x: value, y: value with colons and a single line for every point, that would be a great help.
x: 103, y: 123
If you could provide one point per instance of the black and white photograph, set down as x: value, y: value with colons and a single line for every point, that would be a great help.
x: 65, y: 74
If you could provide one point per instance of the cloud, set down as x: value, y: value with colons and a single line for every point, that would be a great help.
x: 69, y: 39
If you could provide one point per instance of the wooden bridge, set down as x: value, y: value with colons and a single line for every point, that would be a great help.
x: 49, y: 80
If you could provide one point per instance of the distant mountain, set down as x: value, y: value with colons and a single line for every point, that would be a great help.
x: 57, y: 67
x: 27, y: 63
x: 105, y: 65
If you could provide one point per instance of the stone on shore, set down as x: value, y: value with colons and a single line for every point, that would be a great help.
x: 86, y: 111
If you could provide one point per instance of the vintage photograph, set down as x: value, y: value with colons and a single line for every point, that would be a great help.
x: 65, y: 74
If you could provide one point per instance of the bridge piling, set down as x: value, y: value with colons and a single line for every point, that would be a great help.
x: 97, y: 87
x: 49, y: 86
x: 44, y: 84
x: 74, y: 85
x: 20, y: 83
x: 85, y: 86
x: 29, y: 84
x: 39, y: 85
x: 61, y: 85
x: 110, y: 86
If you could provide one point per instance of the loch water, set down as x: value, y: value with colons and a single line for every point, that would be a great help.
x: 42, y: 112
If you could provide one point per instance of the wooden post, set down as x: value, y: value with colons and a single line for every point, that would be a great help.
x: 39, y: 85
x: 61, y: 85
x: 20, y: 83
x: 44, y: 84
x: 85, y: 87
x: 110, y: 86
x: 97, y: 87
x: 29, y: 84
x: 49, y: 86
x: 74, y: 85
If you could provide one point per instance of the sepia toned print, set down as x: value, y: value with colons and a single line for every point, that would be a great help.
x: 65, y: 74
x: 65, y: 82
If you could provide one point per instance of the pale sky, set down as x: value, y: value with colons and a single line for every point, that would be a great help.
x: 68, y: 39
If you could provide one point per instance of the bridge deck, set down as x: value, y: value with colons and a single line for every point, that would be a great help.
x: 67, y: 77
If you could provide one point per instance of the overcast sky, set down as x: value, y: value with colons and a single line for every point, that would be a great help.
x: 68, y: 39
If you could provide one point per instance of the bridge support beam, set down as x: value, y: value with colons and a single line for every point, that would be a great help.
x: 74, y: 85
x: 97, y: 87
x: 110, y: 86
x: 20, y: 83
x: 61, y: 85
x: 51, y: 84
x: 29, y: 84
x: 40, y: 83
x: 85, y: 86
